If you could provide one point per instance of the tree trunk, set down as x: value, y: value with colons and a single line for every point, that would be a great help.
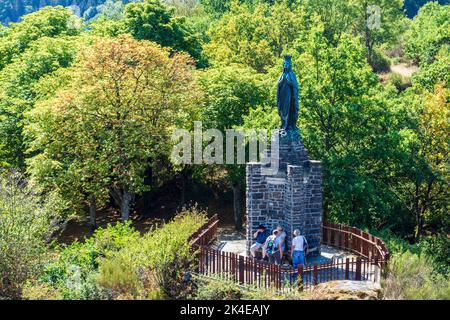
x: 237, y: 206
x: 92, y: 212
x: 417, y: 213
x: 367, y: 37
x: 125, y: 205
x: 183, y: 187
x: 116, y: 196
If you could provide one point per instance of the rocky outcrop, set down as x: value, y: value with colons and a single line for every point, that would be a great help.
x: 347, y: 290
x: 13, y: 10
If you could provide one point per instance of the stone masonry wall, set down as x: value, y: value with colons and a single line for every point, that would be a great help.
x: 292, y: 198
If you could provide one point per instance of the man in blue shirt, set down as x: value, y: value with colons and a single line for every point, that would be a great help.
x: 260, y: 236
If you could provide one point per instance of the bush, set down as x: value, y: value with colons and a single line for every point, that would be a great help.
x: 74, y: 272
x: 118, y: 278
x: 217, y: 289
x: 412, y: 277
x: 398, y: 81
x: 160, y: 257
x: 40, y: 291
x: 26, y: 224
x: 438, y: 248
x: 380, y: 62
x: 118, y: 263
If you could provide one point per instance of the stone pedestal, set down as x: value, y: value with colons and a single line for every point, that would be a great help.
x: 291, y: 198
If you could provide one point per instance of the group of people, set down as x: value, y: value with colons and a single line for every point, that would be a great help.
x: 274, y: 245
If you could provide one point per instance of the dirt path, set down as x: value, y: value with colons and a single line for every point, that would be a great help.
x: 404, y: 69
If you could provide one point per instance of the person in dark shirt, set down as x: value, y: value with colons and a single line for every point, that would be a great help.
x: 260, y: 237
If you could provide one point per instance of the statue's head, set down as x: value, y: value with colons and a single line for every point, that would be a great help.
x: 287, y: 65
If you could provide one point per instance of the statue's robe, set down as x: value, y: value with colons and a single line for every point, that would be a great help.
x: 287, y: 100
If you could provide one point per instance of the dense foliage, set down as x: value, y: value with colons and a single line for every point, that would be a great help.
x: 26, y: 226
x: 100, y: 133
x: 117, y: 262
x: 412, y: 277
x: 87, y: 108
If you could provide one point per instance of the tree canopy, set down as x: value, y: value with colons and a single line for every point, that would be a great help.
x: 87, y: 106
x: 114, y: 119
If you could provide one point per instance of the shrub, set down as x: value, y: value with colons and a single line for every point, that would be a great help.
x: 379, y: 62
x: 217, y: 289
x: 411, y: 276
x: 438, y: 248
x: 161, y: 256
x: 435, y: 248
x: 74, y: 271
x: 118, y: 263
x: 40, y: 291
x: 118, y: 278
x: 396, y: 79
x: 26, y: 224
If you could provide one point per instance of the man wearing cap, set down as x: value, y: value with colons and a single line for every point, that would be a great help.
x: 260, y: 236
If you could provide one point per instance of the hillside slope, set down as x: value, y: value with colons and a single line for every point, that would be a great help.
x: 13, y: 10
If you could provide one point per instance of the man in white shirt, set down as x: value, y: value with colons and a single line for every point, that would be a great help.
x: 298, y: 249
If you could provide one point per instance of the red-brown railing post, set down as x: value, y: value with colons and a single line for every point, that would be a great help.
x: 358, y: 269
x: 376, y: 270
x: 300, y: 277
x: 214, y: 252
x: 276, y: 275
x: 347, y: 268
x: 233, y: 266
x: 255, y: 273
x: 315, y: 273
x: 241, y: 269
x: 202, y: 260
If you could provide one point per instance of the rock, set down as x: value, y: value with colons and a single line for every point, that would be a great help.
x: 347, y: 290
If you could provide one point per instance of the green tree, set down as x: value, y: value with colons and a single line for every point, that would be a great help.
x: 17, y: 91
x: 115, y: 117
x: 378, y: 23
x: 437, y: 72
x: 154, y: 21
x: 185, y: 8
x: 230, y: 93
x: 26, y: 224
x: 256, y: 37
x: 47, y: 22
x: 428, y: 32
x: 337, y: 16
x: 423, y: 180
x: 412, y: 6
x: 390, y: 15
x: 345, y: 123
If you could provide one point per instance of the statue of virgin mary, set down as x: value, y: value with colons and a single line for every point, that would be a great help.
x: 287, y: 97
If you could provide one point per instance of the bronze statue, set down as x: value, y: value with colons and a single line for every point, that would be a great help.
x: 287, y: 97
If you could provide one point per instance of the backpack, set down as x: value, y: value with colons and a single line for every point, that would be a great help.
x: 271, y: 246
x: 305, y: 244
